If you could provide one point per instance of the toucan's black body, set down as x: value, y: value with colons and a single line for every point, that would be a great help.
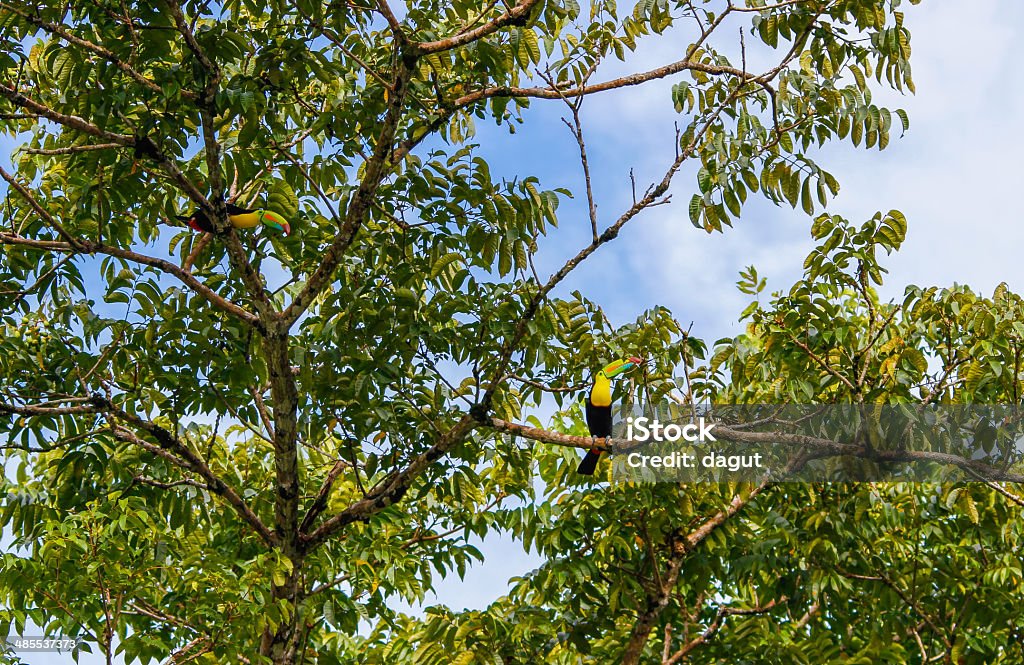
x: 200, y: 222
x: 599, y: 422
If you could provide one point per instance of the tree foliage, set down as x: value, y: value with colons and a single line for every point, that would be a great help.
x: 242, y: 447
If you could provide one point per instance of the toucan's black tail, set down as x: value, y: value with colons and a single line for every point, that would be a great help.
x: 589, y: 463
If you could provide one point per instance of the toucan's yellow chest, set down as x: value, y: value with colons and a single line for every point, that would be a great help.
x: 601, y: 392
x: 245, y: 220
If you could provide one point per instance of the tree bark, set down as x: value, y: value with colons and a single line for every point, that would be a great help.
x: 281, y: 645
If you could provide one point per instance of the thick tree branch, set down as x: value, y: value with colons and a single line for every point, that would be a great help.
x: 70, y: 121
x: 819, y: 447
x: 396, y: 26
x: 375, y: 170
x: 190, y: 39
x: 517, y: 16
x: 392, y: 488
x: 185, y: 277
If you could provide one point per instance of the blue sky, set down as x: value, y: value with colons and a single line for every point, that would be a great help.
x: 956, y: 175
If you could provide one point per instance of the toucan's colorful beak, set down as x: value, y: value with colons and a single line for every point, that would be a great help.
x: 620, y: 366
x: 275, y: 222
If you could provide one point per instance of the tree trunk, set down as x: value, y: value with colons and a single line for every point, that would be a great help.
x: 283, y: 645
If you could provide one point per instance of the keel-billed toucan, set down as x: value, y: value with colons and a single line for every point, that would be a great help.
x: 240, y: 218
x: 599, y: 409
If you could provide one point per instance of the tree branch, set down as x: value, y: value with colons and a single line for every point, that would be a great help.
x: 717, y: 624
x: 74, y: 243
x: 184, y: 276
x: 680, y: 547
x: 392, y: 488
x: 517, y: 16
x: 374, y: 173
x: 71, y: 150
x: 70, y: 121
x: 821, y: 447
x: 393, y: 22
x: 190, y: 39
x: 192, y: 462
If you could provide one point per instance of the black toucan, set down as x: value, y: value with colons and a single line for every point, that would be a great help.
x: 599, y: 409
x: 240, y: 218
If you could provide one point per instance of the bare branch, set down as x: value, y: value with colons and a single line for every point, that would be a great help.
x: 74, y: 149
x: 576, y: 128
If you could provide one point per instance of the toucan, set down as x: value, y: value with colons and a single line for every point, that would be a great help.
x: 240, y: 218
x: 599, y: 409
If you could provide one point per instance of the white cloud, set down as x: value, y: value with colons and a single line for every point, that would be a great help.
x: 955, y: 175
